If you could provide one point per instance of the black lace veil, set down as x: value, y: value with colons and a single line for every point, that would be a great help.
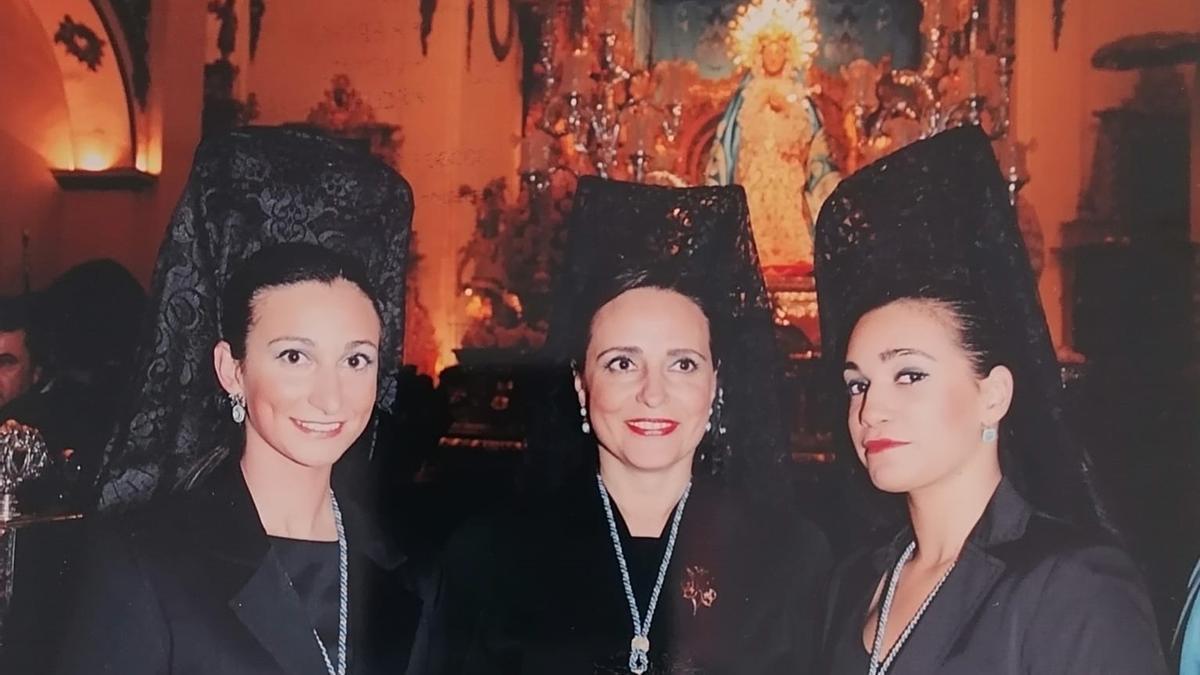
x: 248, y: 189
x: 698, y: 239
x: 934, y: 220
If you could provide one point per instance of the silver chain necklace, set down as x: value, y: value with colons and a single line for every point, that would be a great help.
x: 343, y: 596
x: 878, y: 668
x: 639, y: 646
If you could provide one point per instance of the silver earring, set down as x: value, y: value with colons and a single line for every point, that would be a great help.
x: 990, y: 434
x: 237, y: 405
x: 587, y: 428
x: 715, y: 411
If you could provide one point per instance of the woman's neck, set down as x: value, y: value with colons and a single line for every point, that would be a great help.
x: 646, y: 499
x: 293, y: 500
x: 944, y: 513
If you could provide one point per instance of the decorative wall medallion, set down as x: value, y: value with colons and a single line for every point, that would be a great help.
x: 344, y: 113
x: 81, y: 42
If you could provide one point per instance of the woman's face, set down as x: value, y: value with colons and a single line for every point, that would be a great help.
x: 648, y: 379
x: 917, y: 408
x: 309, y: 373
x: 774, y: 57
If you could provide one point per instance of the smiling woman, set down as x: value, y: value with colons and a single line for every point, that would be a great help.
x: 648, y: 382
x: 299, y: 360
x: 650, y: 543
x: 257, y: 386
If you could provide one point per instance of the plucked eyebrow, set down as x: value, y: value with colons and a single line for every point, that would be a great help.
x: 628, y: 351
x: 289, y: 338
x: 309, y: 343
x: 636, y: 351
x: 889, y: 354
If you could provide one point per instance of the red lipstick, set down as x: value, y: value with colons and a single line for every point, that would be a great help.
x: 652, y: 426
x: 880, y: 444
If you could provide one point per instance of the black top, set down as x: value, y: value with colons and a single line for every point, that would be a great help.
x: 538, y: 590
x: 195, y: 587
x: 1029, y: 595
x: 850, y: 660
x: 312, y: 569
x: 643, y: 555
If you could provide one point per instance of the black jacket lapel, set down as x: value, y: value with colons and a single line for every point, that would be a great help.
x: 970, y: 583
x: 385, y: 600
x: 229, y: 532
x: 271, y: 611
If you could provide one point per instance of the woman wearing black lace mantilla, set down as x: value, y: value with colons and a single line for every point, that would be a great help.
x: 649, y: 542
x: 277, y: 312
x: 999, y: 561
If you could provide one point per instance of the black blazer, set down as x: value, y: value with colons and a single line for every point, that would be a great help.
x: 537, y: 591
x: 1030, y: 595
x: 194, y: 588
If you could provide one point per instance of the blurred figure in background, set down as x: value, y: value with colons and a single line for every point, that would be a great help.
x: 84, y: 333
x: 19, y: 370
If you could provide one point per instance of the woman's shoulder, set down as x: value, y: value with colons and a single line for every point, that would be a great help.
x: 1053, y: 545
x: 144, y: 539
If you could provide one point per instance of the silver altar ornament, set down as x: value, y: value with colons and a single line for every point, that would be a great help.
x: 23, y: 455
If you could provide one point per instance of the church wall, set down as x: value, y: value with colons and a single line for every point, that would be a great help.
x: 1057, y: 92
x: 69, y: 227
x: 437, y: 99
x: 459, y: 119
x: 459, y: 115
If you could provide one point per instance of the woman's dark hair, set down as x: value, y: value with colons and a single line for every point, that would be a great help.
x: 1037, y: 453
x: 607, y: 289
x: 282, y: 265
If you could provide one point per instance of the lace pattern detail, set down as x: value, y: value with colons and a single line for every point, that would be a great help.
x: 248, y: 188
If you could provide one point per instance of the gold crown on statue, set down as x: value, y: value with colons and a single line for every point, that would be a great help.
x: 764, y: 21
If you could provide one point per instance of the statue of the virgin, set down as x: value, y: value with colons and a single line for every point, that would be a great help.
x: 771, y: 140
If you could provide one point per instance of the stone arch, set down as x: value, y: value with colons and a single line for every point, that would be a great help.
x: 107, y: 127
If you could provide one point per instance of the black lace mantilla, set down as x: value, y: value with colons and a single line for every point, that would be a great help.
x: 248, y: 189
x: 701, y: 233
x: 935, y: 217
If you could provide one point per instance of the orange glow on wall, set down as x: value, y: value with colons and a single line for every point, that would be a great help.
x: 92, y: 158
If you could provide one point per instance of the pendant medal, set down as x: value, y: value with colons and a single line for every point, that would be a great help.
x: 639, y: 645
x: 639, y: 654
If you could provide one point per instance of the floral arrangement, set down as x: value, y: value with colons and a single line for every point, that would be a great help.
x: 504, y: 272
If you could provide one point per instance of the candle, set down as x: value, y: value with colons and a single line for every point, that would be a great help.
x: 968, y: 72
x: 535, y: 151
x: 642, y: 126
x: 577, y: 71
